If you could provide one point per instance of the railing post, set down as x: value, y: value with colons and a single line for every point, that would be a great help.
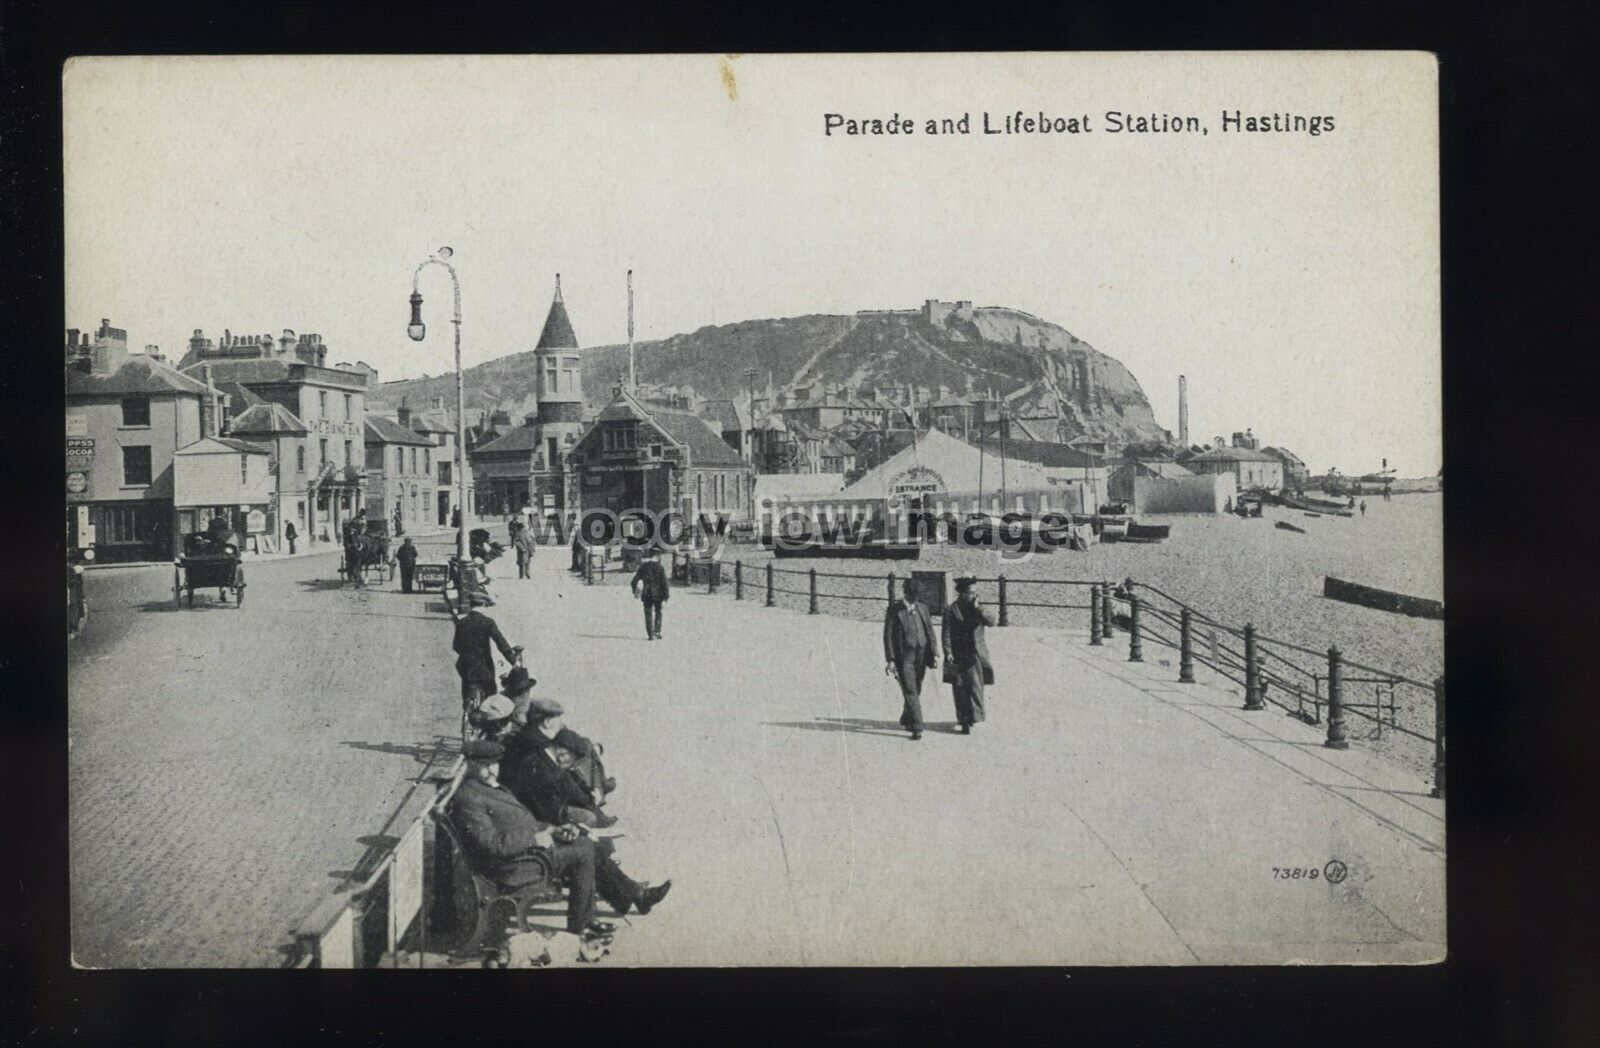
x: 1336, y: 739
x: 1135, y: 648
x: 813, y: 609
x: 1438, y: 736
x: 738, y: 580
x: 1003, y: 617
x: 1107, y: 629
x: 1185, y: 648
x: 1252, y: 671
x: 769, y: 585
x: 713, y: 575
x: 588, y: 566
x: 1094, y: 614
x: 673, y: 575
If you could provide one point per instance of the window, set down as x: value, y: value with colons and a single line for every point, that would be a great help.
x: 655, y: 451
x: 244, y: 471
x: 569, y: 376
x: 550, y: 375
x: 300, y: 458
x: 322, y: 403
x: 349, y: 453
x: 135, y: 411
x: 136, y: 465
x: 347, y: 406
x: 121, y: 525
x: 413, y: 460
x: 323, y: 445
x: 427, y: 460
x: 551, y: 446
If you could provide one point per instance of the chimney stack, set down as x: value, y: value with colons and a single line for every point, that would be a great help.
x: 403, y: 413
x: 1183, y: 411
x: 210, y: 420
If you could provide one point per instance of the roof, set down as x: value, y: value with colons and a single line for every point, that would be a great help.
x: 267, y: 418
x: 1233, y: 455
x: 706, y: 446
x: 138, y: 374
x: 1044, y: 454
x: 796, y: 485
x: 1160, y: 468
x: 1289, y: 457
x: 262, y: 371
x: 382, y: 430
x: 228, y: 444
x: 725, y: 413
x: 557, y: 333
x: 241, y: 396
x: 521, y: 439
x: 434, y: 420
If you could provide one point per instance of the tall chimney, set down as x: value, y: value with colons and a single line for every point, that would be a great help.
x: 1183, y: 411
x: 210, y: 422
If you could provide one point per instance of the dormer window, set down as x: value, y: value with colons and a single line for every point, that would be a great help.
x: 655, y: 451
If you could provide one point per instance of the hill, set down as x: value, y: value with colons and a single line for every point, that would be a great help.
x: 1037, y: 365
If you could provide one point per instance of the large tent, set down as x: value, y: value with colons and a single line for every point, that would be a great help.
x: 939, y: 465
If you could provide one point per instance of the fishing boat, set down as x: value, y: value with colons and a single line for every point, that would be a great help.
x: 1286, y: 526
x: 1383, y: 600
x: 870, y: 549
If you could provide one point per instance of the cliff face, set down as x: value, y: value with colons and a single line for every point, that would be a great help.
x: 1043, y: 369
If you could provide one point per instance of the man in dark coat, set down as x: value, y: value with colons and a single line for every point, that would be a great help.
x: 909, y: 650
x: 522, y: 539
x: 538, y: 771
x: 503, y: 838
x: 650, y: 585
x: 406, y: 556
x: 474, y: 661
x: 966, y: 657
x: 535, y: 721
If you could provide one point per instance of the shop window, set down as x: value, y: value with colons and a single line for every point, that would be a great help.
x: 135, y: 411
x: 136, y: 465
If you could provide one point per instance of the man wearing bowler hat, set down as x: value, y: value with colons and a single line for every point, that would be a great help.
x: 909, y: 651
x: 966, y: 657
x: 650, y: 586
x: 505, y: 840
x: 475, y: 631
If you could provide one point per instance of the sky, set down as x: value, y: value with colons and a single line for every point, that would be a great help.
x: 1294, y: 279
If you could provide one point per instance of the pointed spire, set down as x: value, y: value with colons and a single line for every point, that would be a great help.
x: 557, y: 333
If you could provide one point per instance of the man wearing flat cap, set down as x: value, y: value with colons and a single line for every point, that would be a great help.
x: 503, y: 840
x: 537, y: 722
x: 966, y: 657
x: 909, y: 651
x: 540, y: 769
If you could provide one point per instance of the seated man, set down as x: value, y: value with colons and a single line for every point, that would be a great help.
x: 539, y: 771
x: 501, y: 837
x: 532, y: 718
x: 492, y: 719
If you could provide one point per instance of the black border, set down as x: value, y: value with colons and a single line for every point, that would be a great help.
x: 1515, y: 103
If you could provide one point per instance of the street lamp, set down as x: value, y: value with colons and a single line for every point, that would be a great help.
x: 418, y: 331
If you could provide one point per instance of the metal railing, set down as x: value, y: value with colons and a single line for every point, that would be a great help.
x: 1306, y: 683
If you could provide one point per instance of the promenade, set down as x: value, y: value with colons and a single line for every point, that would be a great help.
x: 227, y: 763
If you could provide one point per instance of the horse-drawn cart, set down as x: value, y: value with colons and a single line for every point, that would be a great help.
x: 206, y: 562
x: 366, y: 552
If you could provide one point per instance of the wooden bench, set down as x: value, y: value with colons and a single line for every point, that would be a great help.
x: 490, y: 897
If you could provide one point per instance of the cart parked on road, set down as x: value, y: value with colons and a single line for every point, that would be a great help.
x: 206, y: 562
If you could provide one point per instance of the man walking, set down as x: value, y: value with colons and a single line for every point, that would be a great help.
x: 909, y: 650
x: 523, y: 540
x: 290, y: 534
x: 966, y: 657
x: 650, y: 585
x: 406, y: 556
x: 474, y: 660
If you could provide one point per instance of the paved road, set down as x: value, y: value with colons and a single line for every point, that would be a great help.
x: 1104, y: 813
x: 226, y: 761
x: 226, y: 764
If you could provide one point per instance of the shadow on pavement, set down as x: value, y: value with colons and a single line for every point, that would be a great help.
x: 421, y: 752
x: 200, y: 603
x: 859, y: 725
x: 318, y: 585
x: 608, y: 636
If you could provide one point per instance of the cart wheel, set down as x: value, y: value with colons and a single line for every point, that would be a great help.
x: 238, y: 594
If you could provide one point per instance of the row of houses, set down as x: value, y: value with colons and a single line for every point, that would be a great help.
x: 256, y: 430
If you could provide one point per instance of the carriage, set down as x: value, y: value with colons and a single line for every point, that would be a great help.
x: 366, y: 553
x: 207, y: 562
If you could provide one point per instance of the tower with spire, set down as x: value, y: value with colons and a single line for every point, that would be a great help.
x: 559, y: 390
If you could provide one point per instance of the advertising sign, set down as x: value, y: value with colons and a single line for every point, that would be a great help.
x: 915, y: 483
x: 77, y: 425
x: 256, y: 522
x: 80, y: 453
x: 431, y: 576
x: 77, y: 483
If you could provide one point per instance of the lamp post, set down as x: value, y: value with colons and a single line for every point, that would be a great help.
x: 418, y: 332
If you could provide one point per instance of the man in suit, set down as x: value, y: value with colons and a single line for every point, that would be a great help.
x: 474, y: 661
x: 966, y: 657
x: 534, y: 720
x: 502, y: 838
x: 523, y: 540
x: 406, y: 557
x: 650, y: 585
x: 909, y: 650
x: 539, y: 769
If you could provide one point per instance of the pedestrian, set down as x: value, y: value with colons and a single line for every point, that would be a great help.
x: 909, y: 651
x: 522, y: 538
x: 966, y: 657
x: 406, y: 557
x: 399, y: 528
x: 290, y: 534
x: 474, y: 661
x: 650, y: 586
x: 578, y: 552
x: 1363, y: 507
